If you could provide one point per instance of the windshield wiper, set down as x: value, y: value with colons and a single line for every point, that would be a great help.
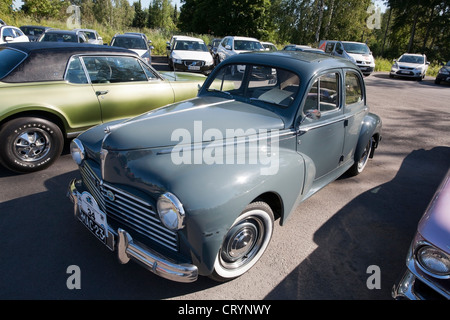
x: 220, y: 91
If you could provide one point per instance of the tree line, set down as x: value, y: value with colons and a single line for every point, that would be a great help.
x: 415, y: 26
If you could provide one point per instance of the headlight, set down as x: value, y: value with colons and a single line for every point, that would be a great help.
x: 395, y: 66
x: 434, y: 261
x: 177, y: 61
x: 443, y: 71
x: 77, y: 151
x: 170, y: 211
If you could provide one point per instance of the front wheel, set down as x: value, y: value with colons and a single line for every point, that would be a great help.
x: 245, y: 242
x: 30, y: 144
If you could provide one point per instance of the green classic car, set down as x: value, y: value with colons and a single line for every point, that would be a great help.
x: 52, y: 91
x: 194, y: 188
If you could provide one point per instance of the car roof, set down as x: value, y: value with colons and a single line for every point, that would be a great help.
x: 188, y: 38
x: 128, y: 35
x: 300, y: 62
x: 47, y: 61
x: 243, y: 38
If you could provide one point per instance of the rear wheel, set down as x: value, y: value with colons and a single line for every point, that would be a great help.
x: 245, y: 242
x: 30, y: 144
x: 359, y: 165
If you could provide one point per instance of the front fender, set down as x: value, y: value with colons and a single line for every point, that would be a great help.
x: 371, y: 127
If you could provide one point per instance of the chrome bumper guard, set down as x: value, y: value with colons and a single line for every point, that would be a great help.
x: 127, y: 249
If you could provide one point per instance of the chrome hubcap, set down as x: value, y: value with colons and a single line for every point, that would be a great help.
x: 32, y: 145
x: 242, y: 243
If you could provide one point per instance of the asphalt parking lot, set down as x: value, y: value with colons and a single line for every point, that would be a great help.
x: 323, y: 252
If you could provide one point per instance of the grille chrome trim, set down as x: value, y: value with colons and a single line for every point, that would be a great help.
x: 129, y: 211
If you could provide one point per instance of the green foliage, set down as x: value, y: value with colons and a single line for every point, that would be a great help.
x: 407, y: 25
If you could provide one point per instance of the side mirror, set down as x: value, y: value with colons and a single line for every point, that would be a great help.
x: 8, y: 39
x: 340, y: 51
x: 228, y: 47
x: 313, y: 114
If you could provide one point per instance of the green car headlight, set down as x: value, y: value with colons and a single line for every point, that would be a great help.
x: 434, y: 261
x: 171, y: 211
x: 77, y: 151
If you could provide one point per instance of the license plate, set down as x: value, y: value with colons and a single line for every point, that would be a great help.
x: 405, y: 72
x: 194, y: 68
x: 92, y: 217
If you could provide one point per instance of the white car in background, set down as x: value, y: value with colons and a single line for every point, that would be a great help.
x: 410, y: 65
x: 189, y: 54
x: 232, y: 45
x: 12, y: 34
x: 92, y: 36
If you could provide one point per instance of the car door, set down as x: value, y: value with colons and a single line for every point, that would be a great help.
x: 126, y: 87
x: 354, y: 111
x: 321, y: 133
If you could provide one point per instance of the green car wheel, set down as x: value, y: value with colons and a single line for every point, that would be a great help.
x: 31, y: 144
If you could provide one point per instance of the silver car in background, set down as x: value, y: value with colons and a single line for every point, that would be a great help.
x: 410, y: 65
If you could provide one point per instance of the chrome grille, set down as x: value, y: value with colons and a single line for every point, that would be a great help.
x: 194, y: 63
x: 132, y: 213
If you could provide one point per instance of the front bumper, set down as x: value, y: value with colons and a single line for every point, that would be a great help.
x: 196, y: 67
x: 406, y: 73
x: 366, y: 69
x: 129, y: 249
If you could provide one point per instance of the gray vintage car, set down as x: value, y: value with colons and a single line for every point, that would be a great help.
x: 194, y: 188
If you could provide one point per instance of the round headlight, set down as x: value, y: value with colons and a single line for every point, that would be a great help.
x: 434, y: 261
x: 77, y: 151
x: 170, y: 211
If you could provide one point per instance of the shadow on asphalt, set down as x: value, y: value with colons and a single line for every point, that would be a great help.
x: 366, y: 230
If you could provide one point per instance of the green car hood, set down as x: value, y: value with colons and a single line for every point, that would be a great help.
x: 202, y: 119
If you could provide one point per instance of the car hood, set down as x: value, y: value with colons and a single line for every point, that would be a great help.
x: 202, y: 119
x: 361, y: 57
x: 409, y: 65
x: 140, y: 52
x: 435, y: 223
x: 191, y: 55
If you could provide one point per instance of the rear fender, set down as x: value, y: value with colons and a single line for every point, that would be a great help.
x: 371, y: 128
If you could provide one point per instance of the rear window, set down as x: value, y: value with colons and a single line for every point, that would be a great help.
x: 9, y: 59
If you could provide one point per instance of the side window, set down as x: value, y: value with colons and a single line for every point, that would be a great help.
x: 324, y: 94
x: 75, y: 72
x: 114, y: 69
x: 329, y: 47
x: 353, y: 90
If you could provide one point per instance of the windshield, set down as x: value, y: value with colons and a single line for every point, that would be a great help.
x: 130, y: 43
x: 247, y: 45
x: 190, y: 45
x: 360, y: 48
x: 60, y: 37
x: 9, y: 59
x: 261, y: 85
x: 411, y: 59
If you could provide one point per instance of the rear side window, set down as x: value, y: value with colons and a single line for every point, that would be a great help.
x: 75, y: 72
x: 9, y: 59
x: 353, y: 90
x: 324, y: 94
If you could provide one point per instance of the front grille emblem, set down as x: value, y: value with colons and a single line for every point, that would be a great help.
x: 110, y: 195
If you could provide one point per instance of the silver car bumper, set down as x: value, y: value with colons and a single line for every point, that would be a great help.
x: 128, y: 249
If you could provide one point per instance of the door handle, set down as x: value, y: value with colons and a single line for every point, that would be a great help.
x: 100, y: 93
